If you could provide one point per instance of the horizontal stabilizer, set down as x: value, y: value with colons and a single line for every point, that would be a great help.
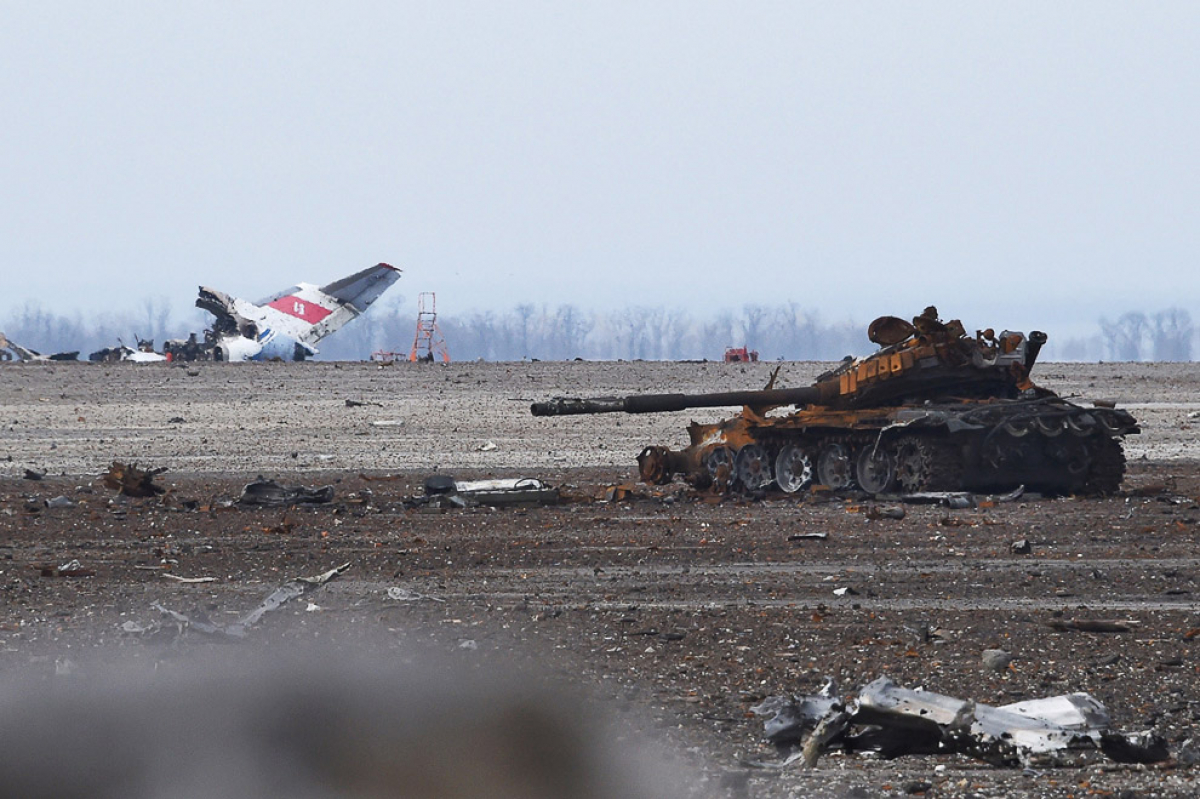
x: 363, y: 288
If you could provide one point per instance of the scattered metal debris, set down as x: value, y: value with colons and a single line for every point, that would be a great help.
x: 443, y: 491
x: 408, y: 595
x: 270, y: 494
x: 896, y: 721
x: 808, y: 537
x: 1011, y: 496
x: 956, y: 500
x: 133, y: 481
x: 189, y: 623
x: 72, y: 568
x: 1091, y: 625
x: 501, y: 484
x: 619, y: 493
x: 875, y: 512
x: 440, y: 484
x: 189, y: 580
x: 109, y: 354
x: 10, y: 350
x: 239, y: 629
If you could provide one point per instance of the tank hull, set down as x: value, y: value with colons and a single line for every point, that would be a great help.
x: 1046, y: 444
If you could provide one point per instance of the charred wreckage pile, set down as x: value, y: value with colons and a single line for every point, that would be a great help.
x: 891, y: 721
x: 933, y: 409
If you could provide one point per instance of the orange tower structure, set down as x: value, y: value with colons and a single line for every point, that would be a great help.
x: 428, y: 339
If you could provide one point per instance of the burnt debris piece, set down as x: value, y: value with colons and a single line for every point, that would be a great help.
x: 10, y: 351
x: 285, y: 593
x: 932, y: 410
x: 270, y: 494
x: 1092, y: 625
x: 892, y: 721
x: 132, y: 481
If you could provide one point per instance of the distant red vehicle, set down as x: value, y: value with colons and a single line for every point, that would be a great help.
x: 740, y: 355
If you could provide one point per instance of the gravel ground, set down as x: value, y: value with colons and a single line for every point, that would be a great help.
x: 279, y: 418
x: 676, y: 611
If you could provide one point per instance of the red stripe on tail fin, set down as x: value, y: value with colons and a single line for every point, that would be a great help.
x: 291, y: 305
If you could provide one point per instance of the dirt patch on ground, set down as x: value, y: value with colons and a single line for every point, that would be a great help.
x: 680, y: 611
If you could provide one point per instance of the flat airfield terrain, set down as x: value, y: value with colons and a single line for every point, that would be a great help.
x: 676, y: 611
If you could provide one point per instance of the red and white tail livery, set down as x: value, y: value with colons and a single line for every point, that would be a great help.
x: 288, y: 325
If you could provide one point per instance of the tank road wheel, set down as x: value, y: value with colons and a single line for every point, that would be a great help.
x: 752, y: 467
x: 834, y: 468
x: 793, y: 469
x: 654, y: 466
x: 1081, y: 425
x: 925, y: 465
x: 875, y: 469
x: 1018, y: 428
x: 1052, y: 427
x: 719, y: 463
x: 1074, y: 456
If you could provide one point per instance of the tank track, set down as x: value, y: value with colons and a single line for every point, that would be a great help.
x: 997, y: 458
x: 1108, y: 468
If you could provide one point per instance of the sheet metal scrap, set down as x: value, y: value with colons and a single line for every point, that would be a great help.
x: 280, y: 596
x: 443, y: 491
x: 269, y: 494
x: 895, y: 721
x: 132, y: 481
x: 10, y: 350
x: 792, y: 719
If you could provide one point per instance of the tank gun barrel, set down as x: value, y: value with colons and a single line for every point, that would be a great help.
x: 666, y: 403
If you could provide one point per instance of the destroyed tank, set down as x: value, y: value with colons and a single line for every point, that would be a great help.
x: 933, y: 409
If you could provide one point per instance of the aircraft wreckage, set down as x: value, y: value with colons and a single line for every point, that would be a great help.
x: 284, y: 326
x: 892, y: 721
x: 10, y: 350
x: 287, y: 325
x: 933, y: 409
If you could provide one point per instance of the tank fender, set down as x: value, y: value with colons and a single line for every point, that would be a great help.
x: 930, y: 417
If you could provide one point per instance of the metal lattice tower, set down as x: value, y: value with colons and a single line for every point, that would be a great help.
x: 428, y: 339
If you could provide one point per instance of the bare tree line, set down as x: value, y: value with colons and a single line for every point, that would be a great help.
x: 1168, y: 335
x: 34, y: 327
x: 564, y: 332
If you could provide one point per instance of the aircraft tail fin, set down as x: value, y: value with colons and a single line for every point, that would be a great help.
x: 363, y: 288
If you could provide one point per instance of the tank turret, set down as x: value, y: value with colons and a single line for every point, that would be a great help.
x: 932, y: 409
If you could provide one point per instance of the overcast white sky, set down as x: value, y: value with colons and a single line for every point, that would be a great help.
x: 1023, y: 165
